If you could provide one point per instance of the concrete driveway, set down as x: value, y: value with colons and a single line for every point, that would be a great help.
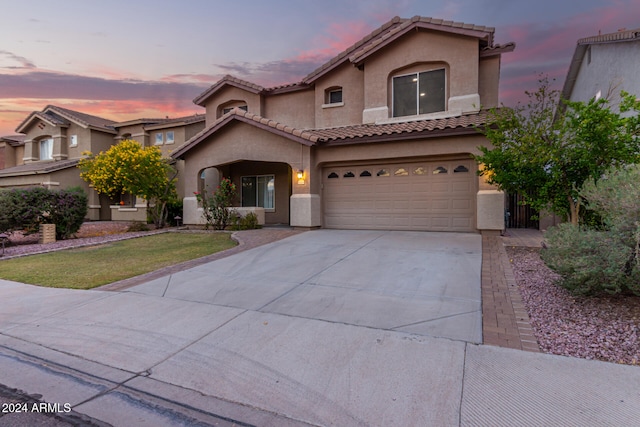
x: 345, y: 328
x: 421, y: 283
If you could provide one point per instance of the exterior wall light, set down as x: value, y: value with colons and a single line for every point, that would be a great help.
x: 300, y: 177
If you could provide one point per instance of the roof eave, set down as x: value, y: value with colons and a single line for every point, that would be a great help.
x: 357, y: 59
x: 403, y: 136
x: 202, y: 98
x: 228, y: 118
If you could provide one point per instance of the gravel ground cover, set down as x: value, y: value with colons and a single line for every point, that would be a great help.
x: 91, y: 233
x: 603, y: 328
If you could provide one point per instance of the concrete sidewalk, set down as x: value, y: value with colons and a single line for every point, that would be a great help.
x: 193, y: 349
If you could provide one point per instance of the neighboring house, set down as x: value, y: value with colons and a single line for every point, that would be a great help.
x: 603, y: 65
x: 11, y: 148
x: 379, y: 137
x: 53, y: 140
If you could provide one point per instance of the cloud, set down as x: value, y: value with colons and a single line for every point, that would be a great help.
x: 547, y: 48
x: 52, y: 85
x: 334, y: 39
x: 14, y: 111
x: 9, y: 59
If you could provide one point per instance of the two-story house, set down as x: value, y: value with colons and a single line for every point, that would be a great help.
x: 379, y: 137
x: 51, y: 143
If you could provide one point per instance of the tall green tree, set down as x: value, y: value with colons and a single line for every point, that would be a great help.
x: 130, y: 168
x: 547, y: 149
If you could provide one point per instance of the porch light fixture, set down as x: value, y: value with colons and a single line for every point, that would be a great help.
x: 300, y: 177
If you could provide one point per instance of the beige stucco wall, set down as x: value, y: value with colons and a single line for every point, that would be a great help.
x: 351, y: 80
x: 238, y: 143
x: 425, y: 48
x: 294, y: 109
x: 230, y: 95
x: 489, y: 81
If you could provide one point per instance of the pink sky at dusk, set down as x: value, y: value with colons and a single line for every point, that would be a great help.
x: 151, y: 58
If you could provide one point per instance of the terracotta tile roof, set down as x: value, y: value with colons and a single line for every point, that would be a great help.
x: 38, y: 168
x: 623, y: 35
x: 59, y: 116
x: 13, y: 140
x: 85, y: 119
x: 497, y: 49
x: 299, y: 135
x: 177, y: 121
x: 345, y: 134
x: 421, y: 128
x: 479, y: 31
x: 227, y: 80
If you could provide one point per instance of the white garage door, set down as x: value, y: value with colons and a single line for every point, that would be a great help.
x: 434, y: 196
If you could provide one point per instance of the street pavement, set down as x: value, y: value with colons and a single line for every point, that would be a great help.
x: 327, y: 327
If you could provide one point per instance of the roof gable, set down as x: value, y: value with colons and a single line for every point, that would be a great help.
x: 237, y: 115
x: 58, y: 116
x: 227, y: 80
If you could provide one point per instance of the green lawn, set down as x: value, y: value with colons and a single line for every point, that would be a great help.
x: 86, y: 268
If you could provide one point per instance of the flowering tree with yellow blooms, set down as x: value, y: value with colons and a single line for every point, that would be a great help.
x: 130, y: 168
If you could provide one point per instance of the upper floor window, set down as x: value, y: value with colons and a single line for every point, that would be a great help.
x: 169, y: 137
x: 334, y: 96
x: 159, y: 138
x: 74, y: 141
x: 419, y: 93
x: 46, y: 149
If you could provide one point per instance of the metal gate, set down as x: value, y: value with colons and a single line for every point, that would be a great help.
x: 518, y: 215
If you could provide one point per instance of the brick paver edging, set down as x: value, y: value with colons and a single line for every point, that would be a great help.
x: 505, y: 322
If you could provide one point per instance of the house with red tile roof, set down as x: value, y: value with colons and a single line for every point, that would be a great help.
x: 380, y: 137
x: 51, y: 142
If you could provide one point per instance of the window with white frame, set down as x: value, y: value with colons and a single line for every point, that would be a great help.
x: 46, y: 149
x: 258, y: 191
x: 169, y: 137
x: 159, y: 138
x: 73, y: 141
x: 419, y: 93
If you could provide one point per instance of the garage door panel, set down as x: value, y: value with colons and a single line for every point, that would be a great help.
x: 405, y: 196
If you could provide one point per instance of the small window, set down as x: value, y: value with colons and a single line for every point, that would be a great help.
x: 170, y: 137
x: 461, y: 169
x: 46, y: 149
x: 419, y: 171
x: 383, y: 172
x: 333, y: 175
x: 73, y: 141
x: 401, y: 172
x: 365, y: 173
x: 440, y: 169
x: 159, y: 138
x: 334, y: 96
x: 349, y: 175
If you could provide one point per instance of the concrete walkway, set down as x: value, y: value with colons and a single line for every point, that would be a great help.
x: 322, y: 328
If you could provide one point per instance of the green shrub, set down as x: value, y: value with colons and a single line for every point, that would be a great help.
x: 137, y: 226
x: 591, y: 262
x: 247, y: 222
x: 26, y: 209
x: 606, y: 258
x: 68, y: 210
